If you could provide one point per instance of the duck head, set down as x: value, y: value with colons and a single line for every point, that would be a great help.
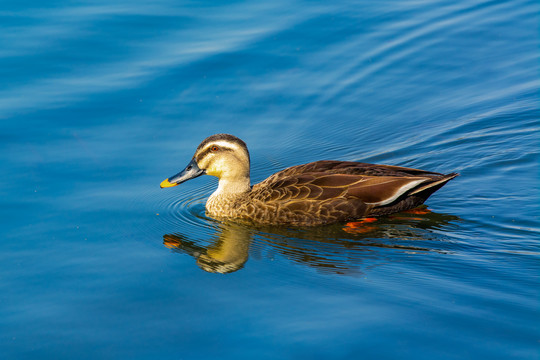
x: 222, y: 155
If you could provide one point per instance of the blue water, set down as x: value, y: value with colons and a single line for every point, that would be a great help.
x: 102, y: 100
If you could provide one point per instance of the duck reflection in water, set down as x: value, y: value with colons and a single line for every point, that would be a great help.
x: 227, y: 254
x: 331, y: 249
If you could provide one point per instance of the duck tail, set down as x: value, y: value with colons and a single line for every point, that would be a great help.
x: 428, y: 189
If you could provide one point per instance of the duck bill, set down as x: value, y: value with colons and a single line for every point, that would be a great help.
x: 191, y: 171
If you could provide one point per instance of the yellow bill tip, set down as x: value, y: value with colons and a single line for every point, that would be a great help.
x: 165, y: 183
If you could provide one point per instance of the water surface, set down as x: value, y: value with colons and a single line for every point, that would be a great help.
x: 100, y: 101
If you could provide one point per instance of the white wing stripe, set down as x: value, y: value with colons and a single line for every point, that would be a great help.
x: 399, y: 192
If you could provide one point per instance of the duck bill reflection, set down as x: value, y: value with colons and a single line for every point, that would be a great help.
x: 191, y: 171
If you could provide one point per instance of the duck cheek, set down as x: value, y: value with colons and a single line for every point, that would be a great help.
x: 213, y: 172
x: 217, y: 166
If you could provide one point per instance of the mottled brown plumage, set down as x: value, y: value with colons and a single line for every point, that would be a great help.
x: 317, y: 193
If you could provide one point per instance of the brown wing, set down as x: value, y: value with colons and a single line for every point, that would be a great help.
x: 331, y: 191
x: 375, y: 190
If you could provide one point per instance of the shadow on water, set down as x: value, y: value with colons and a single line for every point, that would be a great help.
x: 338, y: 249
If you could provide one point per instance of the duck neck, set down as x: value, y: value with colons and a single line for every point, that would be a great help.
x: 232, y: 188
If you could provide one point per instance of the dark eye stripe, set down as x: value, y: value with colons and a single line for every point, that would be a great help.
x: 202, y: 155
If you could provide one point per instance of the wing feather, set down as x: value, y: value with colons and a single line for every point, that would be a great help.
x: 372, y: 190
x: 383, y: 190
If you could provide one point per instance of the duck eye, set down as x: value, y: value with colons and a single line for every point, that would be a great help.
x: 214, y: 148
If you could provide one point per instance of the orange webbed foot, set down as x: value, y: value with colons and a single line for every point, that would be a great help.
x: 359, y: 227
x: 418, y: 211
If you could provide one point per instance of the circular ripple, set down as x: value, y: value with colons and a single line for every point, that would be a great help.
x: 186, y: 209
x: 176, y: 210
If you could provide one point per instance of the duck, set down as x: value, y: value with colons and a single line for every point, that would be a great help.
x: 318, y: 193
